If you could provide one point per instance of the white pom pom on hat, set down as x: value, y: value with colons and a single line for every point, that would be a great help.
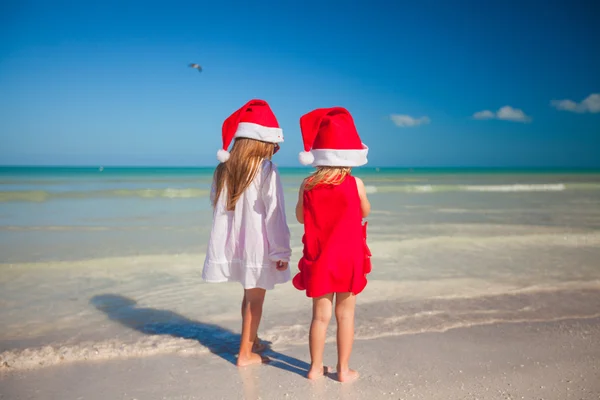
x: 223, y: 155
x: 306, y: 158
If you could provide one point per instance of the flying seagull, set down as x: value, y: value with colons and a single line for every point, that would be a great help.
x: 196, y: 66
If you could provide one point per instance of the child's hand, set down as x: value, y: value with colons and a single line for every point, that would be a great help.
x: 282, y: 265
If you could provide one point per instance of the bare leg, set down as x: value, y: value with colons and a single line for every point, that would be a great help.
x: 318, y: 332
x: 252, y: 312
x: 258, y: 347
x: 344, y: 314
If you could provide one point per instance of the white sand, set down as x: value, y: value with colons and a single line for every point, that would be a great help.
x: 550, y: 361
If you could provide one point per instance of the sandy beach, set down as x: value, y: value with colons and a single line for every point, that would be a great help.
x: 552, y: 361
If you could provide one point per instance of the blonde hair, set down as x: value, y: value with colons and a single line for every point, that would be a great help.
x: 239, y: 171
x: 327, y: 176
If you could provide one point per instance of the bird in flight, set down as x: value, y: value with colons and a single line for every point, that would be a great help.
x: 196, y: 66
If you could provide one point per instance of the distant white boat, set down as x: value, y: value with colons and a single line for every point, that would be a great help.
x: 101, y: 169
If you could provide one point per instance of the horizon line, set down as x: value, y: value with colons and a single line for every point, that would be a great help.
x: 147, y: 166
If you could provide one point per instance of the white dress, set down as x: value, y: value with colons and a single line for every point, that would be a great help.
x: 246, y: 243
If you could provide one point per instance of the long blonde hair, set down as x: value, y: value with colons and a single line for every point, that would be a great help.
x: 327, y: 176
x: 239, y: 171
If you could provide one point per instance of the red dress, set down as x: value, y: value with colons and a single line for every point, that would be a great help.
x: 335, y: 257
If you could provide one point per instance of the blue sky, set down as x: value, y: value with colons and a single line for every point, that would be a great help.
x: 107, y: 83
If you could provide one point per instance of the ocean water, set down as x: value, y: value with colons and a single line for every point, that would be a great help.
x: 102, y: 263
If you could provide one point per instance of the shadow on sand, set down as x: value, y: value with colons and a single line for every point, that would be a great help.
x: 218, y: 340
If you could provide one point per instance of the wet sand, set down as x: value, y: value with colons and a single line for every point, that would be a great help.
x: 551, y: 360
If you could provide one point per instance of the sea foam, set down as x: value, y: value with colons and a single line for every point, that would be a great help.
x: 376, y: 320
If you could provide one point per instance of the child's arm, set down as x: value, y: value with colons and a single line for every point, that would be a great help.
x: 300, y: 204
x: 365, y: 206
x: 278, y: 233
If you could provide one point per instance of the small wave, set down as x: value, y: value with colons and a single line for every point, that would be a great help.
x: 507, y: 188
x: 516, y: 188
x: 41, y: 195
x: 530, y: 305
x: 48, y: 356
x: 573, y: 301
x: 167, y: 193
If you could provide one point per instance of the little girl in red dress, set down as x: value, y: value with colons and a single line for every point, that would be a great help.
x: 331, y: 205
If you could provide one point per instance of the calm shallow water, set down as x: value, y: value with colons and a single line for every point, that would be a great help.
x: 104, y: 264
x: 68, y: 213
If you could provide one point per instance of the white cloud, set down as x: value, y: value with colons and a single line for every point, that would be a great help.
x: 512, y: 114
x: 405, y: 121
x: 506, y: 113
x: 590, y: 104
x: 566, y: 105
x: 485, y: 114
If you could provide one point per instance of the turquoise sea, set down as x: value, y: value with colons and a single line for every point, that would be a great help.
x: 95, y: 209
x: 81, y: 248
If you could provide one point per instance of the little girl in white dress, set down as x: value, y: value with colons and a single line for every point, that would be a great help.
x: 250, y: 240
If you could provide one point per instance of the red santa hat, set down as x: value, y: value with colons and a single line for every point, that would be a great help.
x: 331, y: 139
x: 255, y: 120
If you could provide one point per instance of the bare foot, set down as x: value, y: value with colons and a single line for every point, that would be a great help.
x: 258, y: 346
x: 316, y: 373
x: 252, y: 359
x: 347, y: 376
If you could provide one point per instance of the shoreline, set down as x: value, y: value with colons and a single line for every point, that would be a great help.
x: 523, y: 360
x: 128, y: 329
